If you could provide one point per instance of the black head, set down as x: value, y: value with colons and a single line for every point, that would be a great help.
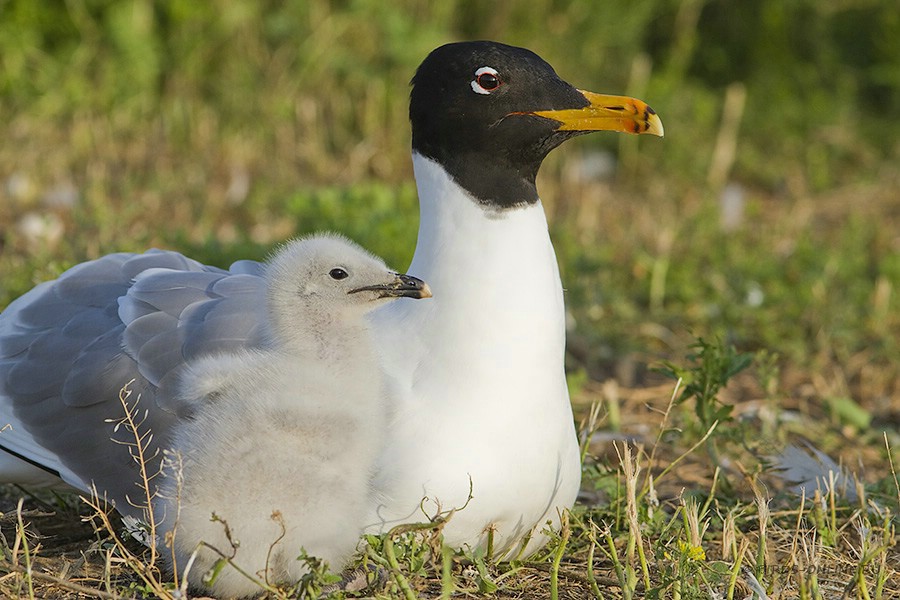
x: 490, y: 113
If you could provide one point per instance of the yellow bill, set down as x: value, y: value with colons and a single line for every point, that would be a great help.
x: 607, y: 113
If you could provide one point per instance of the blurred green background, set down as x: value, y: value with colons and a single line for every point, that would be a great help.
x: 768, y: 215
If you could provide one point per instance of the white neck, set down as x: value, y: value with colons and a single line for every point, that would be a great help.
x: 497, y: 310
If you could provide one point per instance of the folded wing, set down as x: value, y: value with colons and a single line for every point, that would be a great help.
x: 69, y: 346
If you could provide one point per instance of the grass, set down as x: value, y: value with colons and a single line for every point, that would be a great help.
x: 657, y: 518
x: 765, y: 225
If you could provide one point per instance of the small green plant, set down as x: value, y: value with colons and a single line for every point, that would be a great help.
x: 407, y: 551
x: 711, y: 366
x: 318, y: 581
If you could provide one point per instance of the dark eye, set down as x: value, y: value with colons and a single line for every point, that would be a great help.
x: 486, y: 80
x: 338, y: 273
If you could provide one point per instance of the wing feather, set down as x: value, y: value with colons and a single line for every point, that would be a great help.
x: 69, y: 346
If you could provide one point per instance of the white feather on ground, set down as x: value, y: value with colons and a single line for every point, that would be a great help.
x: 809, y: 469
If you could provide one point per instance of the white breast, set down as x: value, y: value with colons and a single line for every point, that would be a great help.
x: 476, y: 373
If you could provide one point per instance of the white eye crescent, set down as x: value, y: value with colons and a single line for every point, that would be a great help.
x: 486, y: 80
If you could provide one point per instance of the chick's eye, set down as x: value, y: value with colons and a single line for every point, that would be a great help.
x: 338, y: 273
x: 486, y: 80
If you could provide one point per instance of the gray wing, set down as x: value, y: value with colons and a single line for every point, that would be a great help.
x: 69, y: 346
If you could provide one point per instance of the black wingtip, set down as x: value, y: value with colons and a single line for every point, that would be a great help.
x: 31, y: 462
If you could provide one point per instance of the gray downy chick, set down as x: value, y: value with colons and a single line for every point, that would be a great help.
x: 282, y: 444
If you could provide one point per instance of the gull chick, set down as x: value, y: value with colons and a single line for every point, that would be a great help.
x: 281, y: 444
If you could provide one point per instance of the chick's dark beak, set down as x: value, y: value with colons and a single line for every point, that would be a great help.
x: 403, y: 286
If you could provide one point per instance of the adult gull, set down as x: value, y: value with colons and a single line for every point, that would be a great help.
x: 479, y: 381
